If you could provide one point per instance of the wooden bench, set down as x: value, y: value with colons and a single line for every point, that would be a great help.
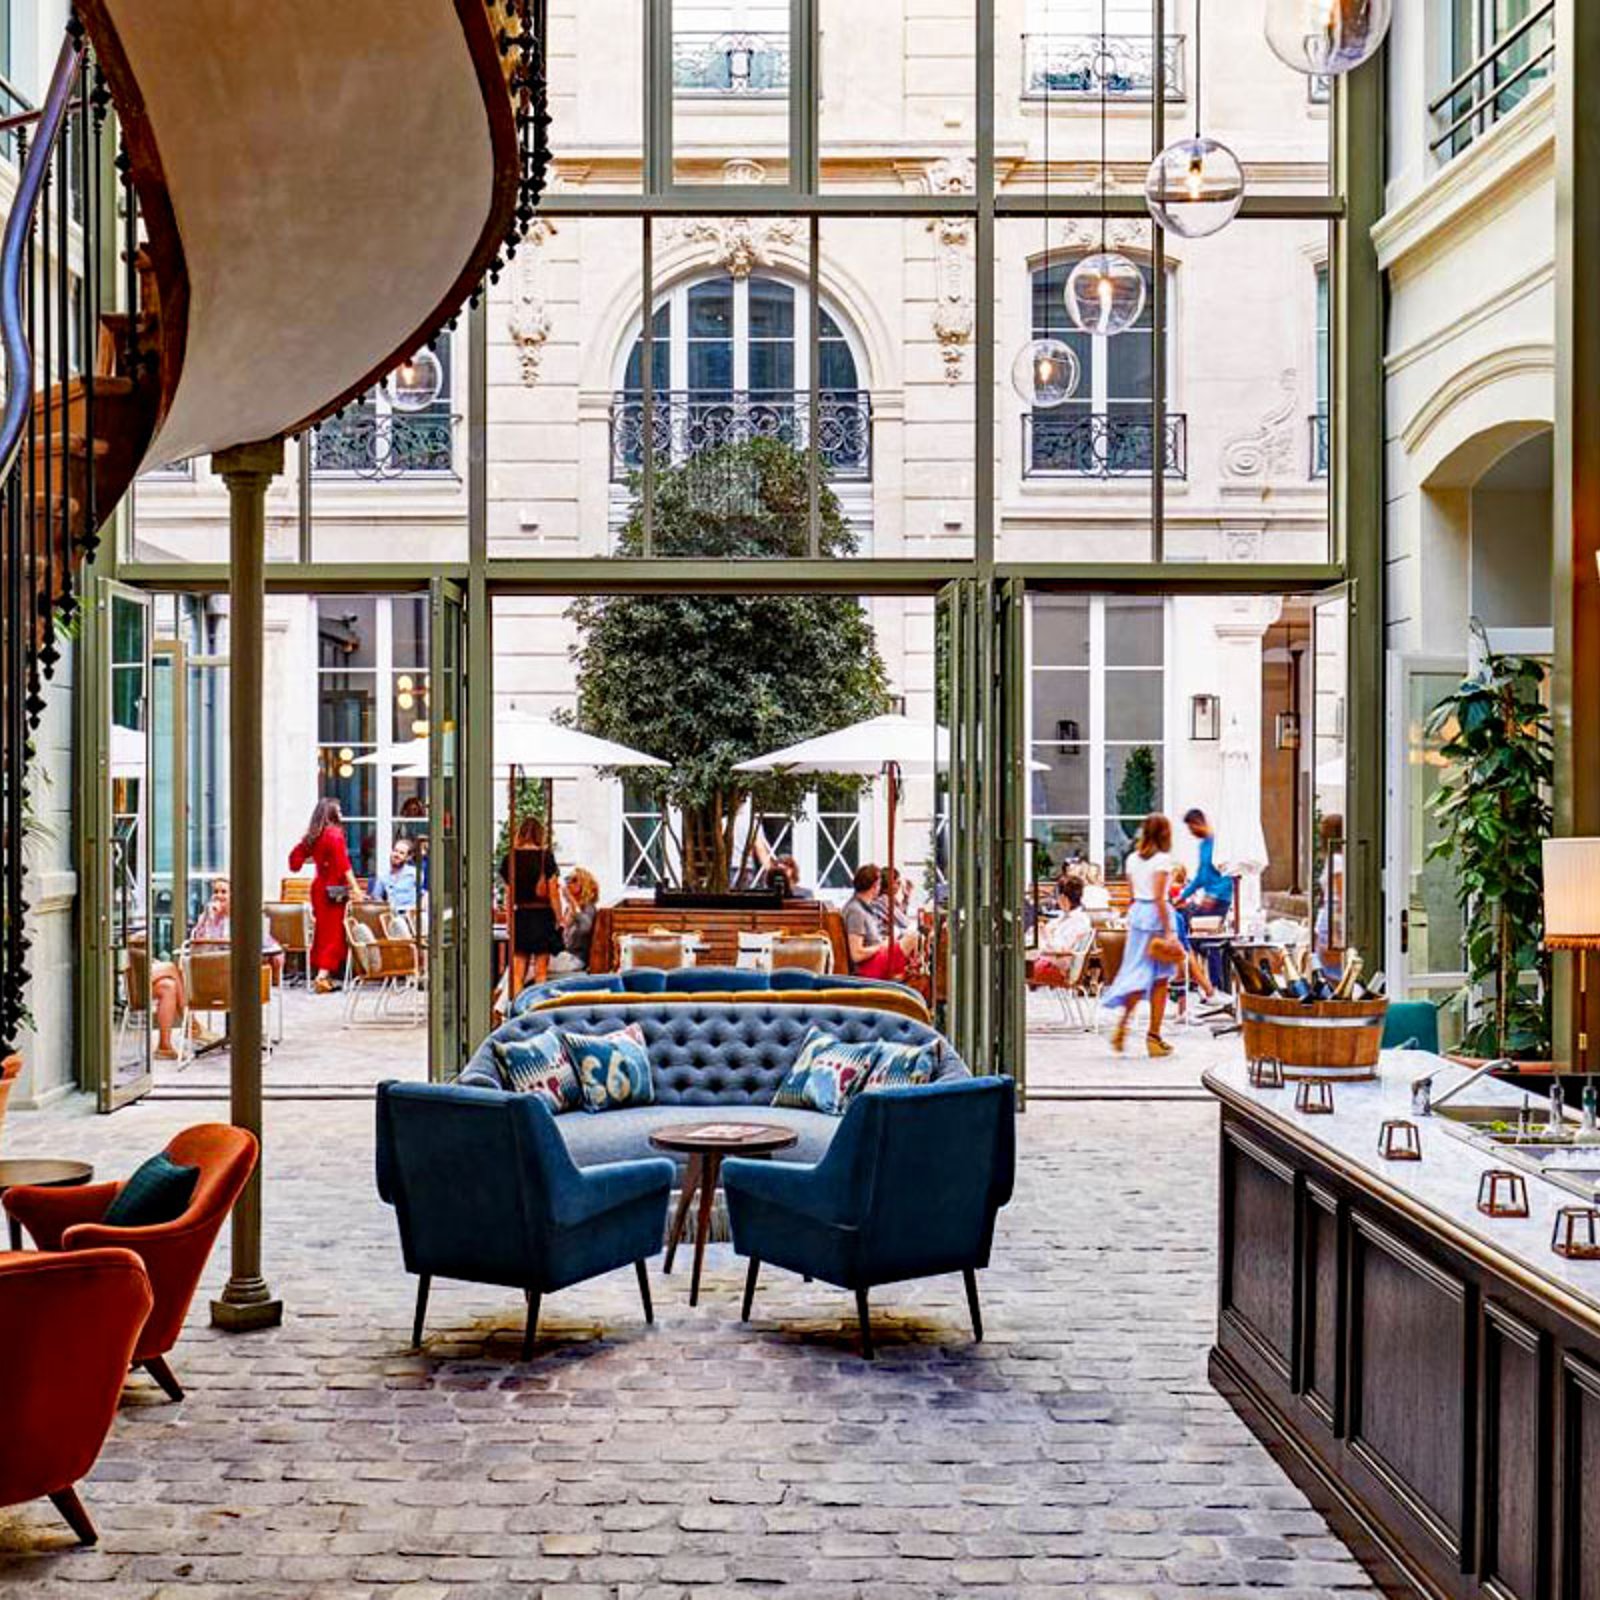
x: 719, y: 930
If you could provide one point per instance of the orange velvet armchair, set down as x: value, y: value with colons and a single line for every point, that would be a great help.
x: 71, y: 1324
x: 174, y: 1253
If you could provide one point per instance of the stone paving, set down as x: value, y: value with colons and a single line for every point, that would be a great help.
x: 1078, y: 1451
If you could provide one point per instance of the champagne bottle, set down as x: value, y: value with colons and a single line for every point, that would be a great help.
x: 1274, y: 981
x: 1379, y: 986
x: 1251, y: 979
x: 1349, y: 977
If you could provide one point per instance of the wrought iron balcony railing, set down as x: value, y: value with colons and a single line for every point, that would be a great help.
x: 740, y: 64
x: 1080, y: 65
x: 687, y: 423
x: 1091, y: 444
x: 365, y: 443
x: 1496, y: 83
x: 1319, y: 444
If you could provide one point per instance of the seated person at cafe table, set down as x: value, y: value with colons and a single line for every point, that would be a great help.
x: 872, y: 953
x: 398, y: 887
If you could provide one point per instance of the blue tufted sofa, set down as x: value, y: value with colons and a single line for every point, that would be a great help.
x: 724, y: 1061
x: 688, y: 980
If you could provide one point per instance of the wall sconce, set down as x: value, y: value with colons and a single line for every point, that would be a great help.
x: 1205, y: 718
x: 1070, y: 737
x: 1288, y: 726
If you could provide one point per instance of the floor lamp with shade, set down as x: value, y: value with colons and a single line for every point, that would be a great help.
x: 1572, y: 916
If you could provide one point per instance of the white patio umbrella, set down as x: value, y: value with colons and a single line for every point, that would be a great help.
x: 1241, y: 848
x: 890, y: 746
x: 409, y: 753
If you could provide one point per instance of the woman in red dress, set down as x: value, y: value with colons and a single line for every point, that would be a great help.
x: 332, y: 889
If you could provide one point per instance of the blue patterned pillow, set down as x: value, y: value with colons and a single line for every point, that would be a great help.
x: 613, y: 1069
x: 827, y: 1073
x: 539, y: 1066
x: 901, y: 1066
x: 157, y: 1192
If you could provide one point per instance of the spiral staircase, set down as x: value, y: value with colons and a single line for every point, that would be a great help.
x: 229, y: 221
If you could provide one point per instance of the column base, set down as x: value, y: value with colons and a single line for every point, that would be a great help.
x: 246, y: 1304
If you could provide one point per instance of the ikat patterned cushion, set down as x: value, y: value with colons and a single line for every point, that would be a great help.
x: 613, y: 1069
x: 539, y: 1066
x: 826, y: 1074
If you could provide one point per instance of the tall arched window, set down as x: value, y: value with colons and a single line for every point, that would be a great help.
x: 1107, y: 429
x: 729, y: 362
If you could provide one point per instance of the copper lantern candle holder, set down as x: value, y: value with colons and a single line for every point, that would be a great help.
x: 1575, y: 1235
x: 1314, y: 1097
x: 1266, y: 1073
x: 1400, y: 1141
x: 1502, y: 1193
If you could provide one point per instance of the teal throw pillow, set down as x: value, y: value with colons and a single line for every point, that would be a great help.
x: 613, y: 1069
x: 159, y: 1191
x: 901, y: 1066
x: 539, y: 1066
x: 826, y: 1075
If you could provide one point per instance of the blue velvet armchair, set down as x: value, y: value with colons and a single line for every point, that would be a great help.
x: 1411, y: 1022
x: 484, y: 1190
x: 909, y: 1188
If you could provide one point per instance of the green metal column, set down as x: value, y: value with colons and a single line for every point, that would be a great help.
x: 1358, y: 477
x: 247, y: 470
x: 1575, y: 692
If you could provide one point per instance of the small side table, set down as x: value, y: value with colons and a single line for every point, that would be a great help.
x: 705, y: 1144
x: 43, y: 1175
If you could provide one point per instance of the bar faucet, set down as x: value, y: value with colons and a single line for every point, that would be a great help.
x: 1423, y: 1103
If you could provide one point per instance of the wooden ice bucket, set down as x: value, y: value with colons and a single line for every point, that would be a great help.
x: 1334, y: 1039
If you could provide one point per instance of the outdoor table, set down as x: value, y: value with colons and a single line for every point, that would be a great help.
x: 44, y: 1175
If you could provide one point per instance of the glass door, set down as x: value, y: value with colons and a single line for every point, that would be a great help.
x: 1330, y: 780
x: 1424, y: 959
x: 125, y: 815
x: 448, y: 1041
x: 169, y: 783
x: 981, y: 783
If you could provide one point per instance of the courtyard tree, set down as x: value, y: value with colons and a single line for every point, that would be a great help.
x: 707, y: 681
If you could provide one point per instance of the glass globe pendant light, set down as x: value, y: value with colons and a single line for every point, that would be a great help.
x: 1105, y: 294
x: 1046, y: 372
x: 1105, y: 291
x: 1196, y: 185
x: 417, y: 382
x: 1324, y: 38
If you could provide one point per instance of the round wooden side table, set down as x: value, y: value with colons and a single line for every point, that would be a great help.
x: 43, y: 1175
x: 705, y: 1144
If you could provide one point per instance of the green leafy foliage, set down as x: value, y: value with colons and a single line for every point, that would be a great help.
x: 707, y: 681
x: 1494, y: 813
x: 1136, y: 793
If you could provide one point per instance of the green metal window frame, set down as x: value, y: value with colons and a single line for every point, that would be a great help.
x: 1350, y: 207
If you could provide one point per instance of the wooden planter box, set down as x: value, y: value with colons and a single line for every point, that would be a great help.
x: 1333, y: 1039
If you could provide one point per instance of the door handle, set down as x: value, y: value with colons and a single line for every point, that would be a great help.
x: 1405, y: 931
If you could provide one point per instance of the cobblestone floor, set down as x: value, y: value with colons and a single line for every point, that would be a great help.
x: 1079, y: 1451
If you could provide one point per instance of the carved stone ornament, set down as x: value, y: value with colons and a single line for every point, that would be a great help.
x: 530, y: 323
x: 1082, y: 235
x: 1267, y: 451
x: 741, y: 244
x: 953, y: 315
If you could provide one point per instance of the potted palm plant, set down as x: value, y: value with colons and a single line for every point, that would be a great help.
x: 1494, y: 813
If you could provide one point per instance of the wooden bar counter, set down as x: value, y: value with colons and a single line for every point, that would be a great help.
x: 1428, y: 1374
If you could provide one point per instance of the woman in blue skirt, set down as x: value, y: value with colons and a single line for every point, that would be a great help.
x: 1141, y: 975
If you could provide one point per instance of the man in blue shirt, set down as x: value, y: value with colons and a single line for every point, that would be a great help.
x: 398, y: 886
x: 1209, y: 892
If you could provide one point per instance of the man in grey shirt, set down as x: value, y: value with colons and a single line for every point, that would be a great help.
x: 871, y: 954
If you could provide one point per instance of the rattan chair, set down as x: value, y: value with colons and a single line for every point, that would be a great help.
x: 290, y: 923
x: 810, y: 952
x: 208, y: 987
x: 387, y: 968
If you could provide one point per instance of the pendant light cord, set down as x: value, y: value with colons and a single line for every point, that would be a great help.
x: 1163, y: 64
x: 1047, y: 262
x: 1101, y: 68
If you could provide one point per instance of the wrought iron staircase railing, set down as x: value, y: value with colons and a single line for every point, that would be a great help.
x: 78, y: 410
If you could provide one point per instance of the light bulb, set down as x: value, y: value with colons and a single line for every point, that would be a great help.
x: 1105, y: 294
x: 1045, y: 373
x: 1194, y: 187
x: 417, y: 382
x: 1324, y: 38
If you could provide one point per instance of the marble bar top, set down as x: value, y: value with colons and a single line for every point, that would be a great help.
x: 1441, y: 1190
